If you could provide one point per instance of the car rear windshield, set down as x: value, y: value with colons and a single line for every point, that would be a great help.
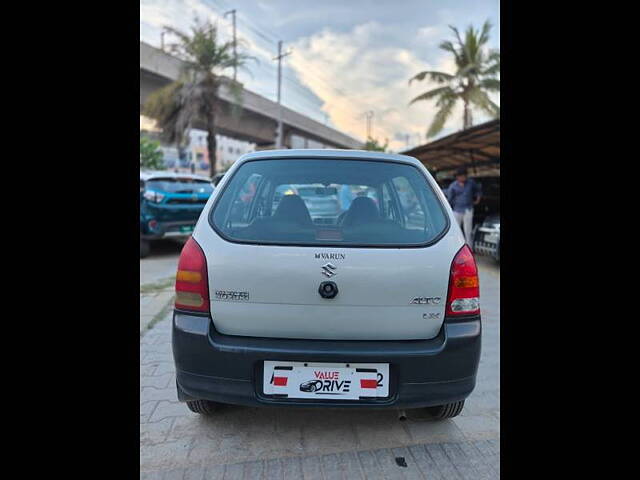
x: 179, y: 185
x: 328, y: 202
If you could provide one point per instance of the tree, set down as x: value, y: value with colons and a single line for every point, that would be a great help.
x: 194, y: 96
x: 373, y: 145
x: 151, y: 156
x: 477, y: 73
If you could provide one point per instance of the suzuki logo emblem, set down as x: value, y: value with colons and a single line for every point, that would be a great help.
x: 329, y: 270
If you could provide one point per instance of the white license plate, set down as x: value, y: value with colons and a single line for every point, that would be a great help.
x: 329, y: 381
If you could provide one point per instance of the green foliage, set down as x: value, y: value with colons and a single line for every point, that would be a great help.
x: 477, y: 72
x: 373, y: 145
x: 193, y: 98
x: 163, y: 105
x: 151, y: 157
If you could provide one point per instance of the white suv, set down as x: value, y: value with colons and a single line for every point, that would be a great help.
x: 375, y: 306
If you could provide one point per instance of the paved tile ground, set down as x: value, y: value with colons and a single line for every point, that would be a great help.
x: 152, y: 304
x: 473, y: 460
x: 161, y: 262
x: 242, y: 442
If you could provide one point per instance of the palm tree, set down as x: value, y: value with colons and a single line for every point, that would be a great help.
x: 477, y: 73
x: 194, y: 96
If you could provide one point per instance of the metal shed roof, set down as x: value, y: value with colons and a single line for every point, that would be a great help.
x: 477, y: 148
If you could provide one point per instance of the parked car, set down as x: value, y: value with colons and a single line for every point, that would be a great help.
x: 382, y: 311
x: 487, y: 237
x: 490, y: 202
x: 321, y: 201
x: 170, y: 204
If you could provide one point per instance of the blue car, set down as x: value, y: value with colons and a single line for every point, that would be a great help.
x: 170, y: 204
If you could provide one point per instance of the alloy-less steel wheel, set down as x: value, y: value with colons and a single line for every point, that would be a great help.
x: 448, y: 410
x: 203, y: 407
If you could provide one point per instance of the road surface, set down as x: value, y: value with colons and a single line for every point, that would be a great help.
x: 161, y: 263
x: 242, y: 442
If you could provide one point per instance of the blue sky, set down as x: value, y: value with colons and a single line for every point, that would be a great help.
x: 347, y: 56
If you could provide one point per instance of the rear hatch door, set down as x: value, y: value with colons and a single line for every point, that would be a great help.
x: 383, y: 294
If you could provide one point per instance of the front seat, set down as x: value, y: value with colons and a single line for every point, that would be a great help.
x: 292, y: 209
x: 362, y: 210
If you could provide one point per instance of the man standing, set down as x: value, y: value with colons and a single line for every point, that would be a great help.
x: 463, y: 194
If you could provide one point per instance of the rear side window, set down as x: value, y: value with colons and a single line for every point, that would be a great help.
x: 328, y: 202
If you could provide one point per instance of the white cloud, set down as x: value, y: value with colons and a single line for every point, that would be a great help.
x: 430, y: 32
x: 350, y: 67
x: 179, y: 14
x: 362, y: 70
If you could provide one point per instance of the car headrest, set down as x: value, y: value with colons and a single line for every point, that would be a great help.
x: 292, y: 209
x: 362, y: 210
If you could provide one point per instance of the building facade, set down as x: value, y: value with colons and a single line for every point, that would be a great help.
x: 228, y: 150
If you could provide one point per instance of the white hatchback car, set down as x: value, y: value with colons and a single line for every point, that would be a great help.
x: 278, y: 303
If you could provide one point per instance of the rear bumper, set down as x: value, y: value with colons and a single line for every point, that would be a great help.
x: 166, y: 230
x: 228, y: 369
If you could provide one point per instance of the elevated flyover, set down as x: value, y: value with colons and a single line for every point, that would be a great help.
x: 257, y: 119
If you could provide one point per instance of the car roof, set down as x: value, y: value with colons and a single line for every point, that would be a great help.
x: 151, y: 174
x: 327, y: 154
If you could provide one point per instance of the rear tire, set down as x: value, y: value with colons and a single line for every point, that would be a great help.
x: 448, y: 410
x: 145, y: 248
x: 203, y: 407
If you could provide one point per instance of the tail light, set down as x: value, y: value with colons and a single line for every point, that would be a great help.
x: 464, y: 286
x: 192, y: 285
